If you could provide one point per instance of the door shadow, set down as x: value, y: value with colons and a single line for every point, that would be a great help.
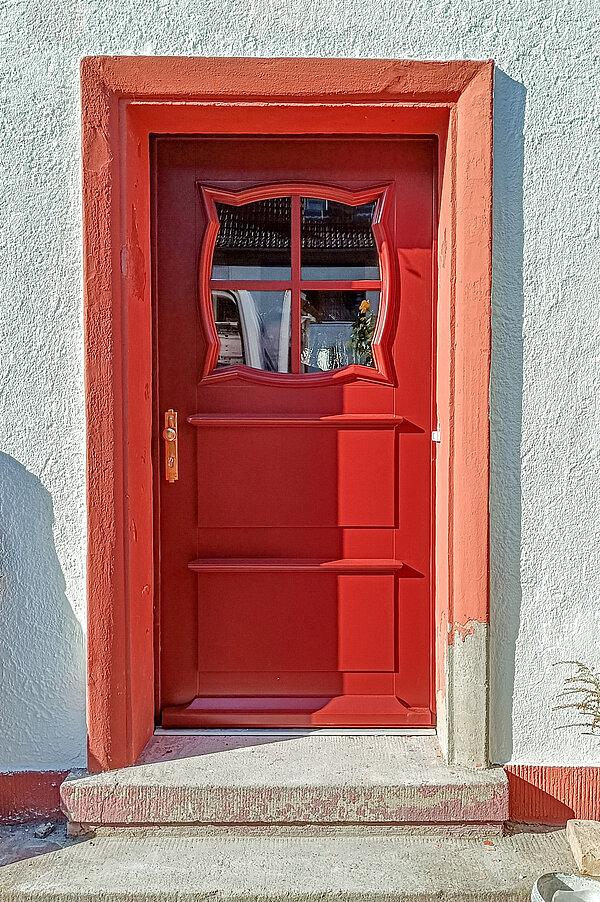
x: 506, y: 390
x: 163, y: 747
x: 42, y: 703
x: 316, y: 746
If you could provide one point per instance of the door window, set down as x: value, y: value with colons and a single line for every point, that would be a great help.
x: 295, y: 280
x: 254, y: 241
x: 338, y: 241
x: 253, y: 328
x: 337, y: 328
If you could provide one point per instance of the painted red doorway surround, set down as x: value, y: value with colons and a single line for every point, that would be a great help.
x: 294, y: 550
x: 124, y: 101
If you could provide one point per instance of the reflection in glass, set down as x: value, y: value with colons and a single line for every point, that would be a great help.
x: 337, y: 329
x: 253, y: 328
x: 337, y: 241
x: 254, y: 241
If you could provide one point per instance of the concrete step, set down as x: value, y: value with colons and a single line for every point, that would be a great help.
x: 168, y: 865
x: 309, y: 779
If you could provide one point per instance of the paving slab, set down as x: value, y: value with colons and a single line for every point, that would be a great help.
x: 319, y: 779
x: 257, y: 868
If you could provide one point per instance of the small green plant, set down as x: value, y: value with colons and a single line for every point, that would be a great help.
x: 363, y: 329
x: 581, y: 693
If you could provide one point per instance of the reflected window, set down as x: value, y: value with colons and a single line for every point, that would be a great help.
x: 338, y: 241
x: 253, y: 328
x: 337, y: 329
x: 254, y: 241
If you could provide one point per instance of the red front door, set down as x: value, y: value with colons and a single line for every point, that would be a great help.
x: 293, y: 284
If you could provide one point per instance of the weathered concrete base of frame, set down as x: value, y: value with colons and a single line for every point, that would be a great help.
x: 463, y: 710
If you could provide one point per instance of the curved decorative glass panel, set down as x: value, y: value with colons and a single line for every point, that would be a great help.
x: 253, y: 328
x: 337, y: 329
x: 294, y: 281
x: 254, y: 241
x: 337, y: 241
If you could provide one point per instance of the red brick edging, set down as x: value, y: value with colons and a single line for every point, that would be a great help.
x: 30, y: 796
x: 552, y: 795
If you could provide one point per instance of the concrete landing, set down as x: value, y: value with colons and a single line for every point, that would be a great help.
x: 228, y: 868
x: 314, y: 779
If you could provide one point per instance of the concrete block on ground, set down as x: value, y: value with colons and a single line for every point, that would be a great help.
x: 584, y: 839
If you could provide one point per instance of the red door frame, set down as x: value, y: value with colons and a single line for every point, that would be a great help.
x: 124, y: 100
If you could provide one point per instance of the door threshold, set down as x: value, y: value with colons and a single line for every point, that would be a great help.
x: 283, y: 731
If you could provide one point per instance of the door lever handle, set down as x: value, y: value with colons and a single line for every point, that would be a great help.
x: 171, y: 450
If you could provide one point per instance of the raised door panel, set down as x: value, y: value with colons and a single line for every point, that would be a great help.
x: 282, y: 476
x: 311, y: 622
x: 366, y: 616
x: 366, y: 477
x: 266, y: 476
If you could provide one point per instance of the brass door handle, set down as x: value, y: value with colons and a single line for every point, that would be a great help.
x: 171, y: 451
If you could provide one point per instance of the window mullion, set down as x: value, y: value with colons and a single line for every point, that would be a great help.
x: 296, y: 305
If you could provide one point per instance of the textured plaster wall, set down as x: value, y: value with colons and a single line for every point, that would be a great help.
x: 545, y: 498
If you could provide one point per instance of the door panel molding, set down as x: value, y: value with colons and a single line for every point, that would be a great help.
x: 124, y: 101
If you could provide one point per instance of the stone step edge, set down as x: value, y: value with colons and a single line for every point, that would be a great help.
x: 103, y: 801
x: 457, y: 830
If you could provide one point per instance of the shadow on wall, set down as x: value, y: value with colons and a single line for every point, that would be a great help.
x: 42, y: 662
x: 506, y: 408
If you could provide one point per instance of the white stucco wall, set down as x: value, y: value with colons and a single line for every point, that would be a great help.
x: 545, y: 500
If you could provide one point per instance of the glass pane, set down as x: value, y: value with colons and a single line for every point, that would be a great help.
x: 337, y: 328
x: 254, y: 241
x: 253, y: 328
x: 337, y: 241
